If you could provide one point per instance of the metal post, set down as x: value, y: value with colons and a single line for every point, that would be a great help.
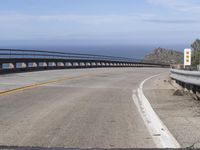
x: 1, y: 66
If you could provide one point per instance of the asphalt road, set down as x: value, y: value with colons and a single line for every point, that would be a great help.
x: 94, y: 109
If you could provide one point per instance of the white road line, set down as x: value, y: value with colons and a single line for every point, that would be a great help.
x: 159, y: 132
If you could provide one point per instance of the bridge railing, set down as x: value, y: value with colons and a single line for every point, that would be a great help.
x: 17, y: 53
x: 12, y: 60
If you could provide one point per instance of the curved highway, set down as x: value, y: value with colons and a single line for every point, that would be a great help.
x: 83, y: 108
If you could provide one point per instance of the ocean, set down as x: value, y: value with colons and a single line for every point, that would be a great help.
x: 129, y: 51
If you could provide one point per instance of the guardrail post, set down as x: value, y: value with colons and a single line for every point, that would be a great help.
x: 12, y: 65
x: 98, y: 64
x: 27, y: 64
x: 42, y: 65
x: 93, y: 64
x: 34, y: 65
x: 75, y: 64
x: 68, y: 64
x: 24, y: 65
x: 37, y: 64
x: 87, y: 64
x: 20, y: 65
x: 31, y: 65
x: 52, y: 64
x: 60, y: 64
x: 82, y: 64
x: 1, y: 66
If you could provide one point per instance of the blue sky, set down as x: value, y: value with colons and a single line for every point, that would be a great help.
x: 103, y: 22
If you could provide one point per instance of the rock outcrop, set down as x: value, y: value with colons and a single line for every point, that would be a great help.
x: 162, y: 55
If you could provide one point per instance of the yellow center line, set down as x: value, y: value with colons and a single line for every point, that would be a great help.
x: 14, y: 90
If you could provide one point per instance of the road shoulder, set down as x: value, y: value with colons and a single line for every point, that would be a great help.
x: 181, y: 114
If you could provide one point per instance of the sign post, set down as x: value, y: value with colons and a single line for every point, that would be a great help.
x: 187, y: 57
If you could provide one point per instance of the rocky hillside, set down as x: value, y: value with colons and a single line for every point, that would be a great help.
x: 161, y: 55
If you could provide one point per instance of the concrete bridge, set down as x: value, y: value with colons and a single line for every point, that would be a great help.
x: 100, y: 107
x: 13, y: 60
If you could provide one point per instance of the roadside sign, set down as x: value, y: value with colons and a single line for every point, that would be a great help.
x: 187, y: 57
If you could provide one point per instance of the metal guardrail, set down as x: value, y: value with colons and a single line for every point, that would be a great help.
x: 39, y: 54
x: 16, y: 60
x: 188, y: 77
x: 18, y: 53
